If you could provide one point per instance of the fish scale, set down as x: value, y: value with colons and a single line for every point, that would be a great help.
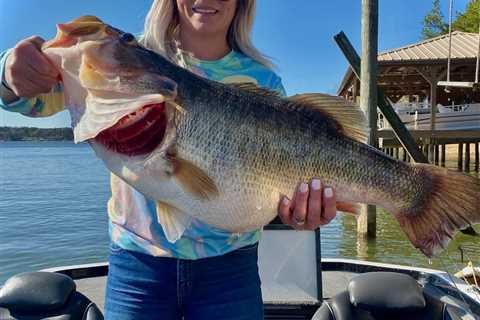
x: 229, y: 152
x: 262, y: 168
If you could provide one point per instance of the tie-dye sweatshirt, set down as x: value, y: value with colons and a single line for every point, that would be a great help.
x: 133, y: 221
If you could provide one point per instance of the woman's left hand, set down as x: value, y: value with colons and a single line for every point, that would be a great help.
x: 312, y: 205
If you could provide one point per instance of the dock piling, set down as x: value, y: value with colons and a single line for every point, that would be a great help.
x: 467, y: 157
x: 443, y: 148
x: 477, y: 156
x: 366, y: 222
x: 460, y: 156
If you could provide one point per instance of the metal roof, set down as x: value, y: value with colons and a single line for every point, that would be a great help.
x: 427, y: 52
x: 464, y: 46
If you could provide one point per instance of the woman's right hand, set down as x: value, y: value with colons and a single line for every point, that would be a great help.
x: 28, y: 72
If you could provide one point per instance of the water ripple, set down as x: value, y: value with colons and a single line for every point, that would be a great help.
x: 53, y: 198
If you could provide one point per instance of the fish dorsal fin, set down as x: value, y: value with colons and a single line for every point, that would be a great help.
x: 348, y: 118
x: 88, y: 18
x: 82, y: 26
x: 252, y: 87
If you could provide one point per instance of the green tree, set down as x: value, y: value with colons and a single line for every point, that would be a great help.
x: 470, y: 19
x: 433, y: 22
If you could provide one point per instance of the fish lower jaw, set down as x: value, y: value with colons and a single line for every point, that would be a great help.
x: 137, y: 133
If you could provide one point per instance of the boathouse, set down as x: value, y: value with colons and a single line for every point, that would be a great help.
x: 415, y: 70
x: 410, y: 76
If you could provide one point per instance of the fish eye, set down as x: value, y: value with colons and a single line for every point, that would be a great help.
x: 127, y: 37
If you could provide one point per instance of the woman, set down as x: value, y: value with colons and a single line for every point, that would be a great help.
x: 208, y: 273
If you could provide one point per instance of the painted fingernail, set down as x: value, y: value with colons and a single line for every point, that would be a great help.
x: 328, y: 192
x: 298, y: 222
x: 303, y: 187
x: 285, y: 201
x: 316, y: 184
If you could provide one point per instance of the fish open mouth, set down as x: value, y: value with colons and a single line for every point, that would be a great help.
x: 137, y: 133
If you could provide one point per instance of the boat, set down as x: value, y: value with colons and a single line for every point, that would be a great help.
x: 453, y: 117
x: 296, y: 284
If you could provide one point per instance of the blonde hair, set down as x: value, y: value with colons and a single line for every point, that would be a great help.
x: 162, y: 27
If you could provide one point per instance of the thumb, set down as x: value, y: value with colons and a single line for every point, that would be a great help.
x: 36, y: 41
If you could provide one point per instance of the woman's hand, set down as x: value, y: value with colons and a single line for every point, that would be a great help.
x: 28, y: 72
x: 312, y: 205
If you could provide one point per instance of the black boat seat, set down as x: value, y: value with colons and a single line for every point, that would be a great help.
x: 381, y: 295
x: 45, y: 295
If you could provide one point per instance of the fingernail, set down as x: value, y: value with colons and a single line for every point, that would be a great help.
x: 285, y: 201
x: 316, y: 184
x: 328, y: 192
x: 299, y: 222
x: 303, y: 187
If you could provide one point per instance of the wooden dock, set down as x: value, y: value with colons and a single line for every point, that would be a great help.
x: 467, y: 141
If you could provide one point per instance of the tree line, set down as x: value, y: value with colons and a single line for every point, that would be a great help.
x: 436, y: 24
x: 33, y: 134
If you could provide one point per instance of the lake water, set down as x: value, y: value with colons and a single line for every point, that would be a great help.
x: 53, y: 199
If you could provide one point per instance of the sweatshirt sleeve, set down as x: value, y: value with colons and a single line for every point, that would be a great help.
x: 43, y: 105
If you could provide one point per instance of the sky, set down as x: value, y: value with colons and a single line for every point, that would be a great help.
x: 297, y: 34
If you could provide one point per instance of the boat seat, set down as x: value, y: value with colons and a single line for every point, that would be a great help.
x: 381, y: 295
x: 45, y: 295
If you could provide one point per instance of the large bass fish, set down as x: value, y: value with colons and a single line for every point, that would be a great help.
x: 225, y: 153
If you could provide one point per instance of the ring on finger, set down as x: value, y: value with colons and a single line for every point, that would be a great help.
x: 299, y: 222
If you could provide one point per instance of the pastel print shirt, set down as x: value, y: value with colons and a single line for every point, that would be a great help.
x: 133, y: 221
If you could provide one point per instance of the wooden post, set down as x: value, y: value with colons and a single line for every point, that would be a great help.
x: 433, y: 114
x: 355, y: 91
x: 477, y: 156
x: 460, y: 156
x: 432, y: 75
x: 366, y: 222
x: 433, y: 102
x: 467, y: 157
x: 437, y: 152
x: 444, y: 154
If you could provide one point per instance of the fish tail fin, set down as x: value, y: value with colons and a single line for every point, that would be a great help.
x: 453, y: 204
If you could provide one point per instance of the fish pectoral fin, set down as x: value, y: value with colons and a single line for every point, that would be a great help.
x: 347, y: 118
x: 173, y: 221
x: 194, y: 180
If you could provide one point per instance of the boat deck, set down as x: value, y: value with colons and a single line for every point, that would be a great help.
x: 288, y: 299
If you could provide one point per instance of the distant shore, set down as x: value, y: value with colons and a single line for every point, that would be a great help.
x: 35, y: 134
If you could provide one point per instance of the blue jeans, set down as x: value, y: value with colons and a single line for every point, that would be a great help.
x: 141, y: 286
